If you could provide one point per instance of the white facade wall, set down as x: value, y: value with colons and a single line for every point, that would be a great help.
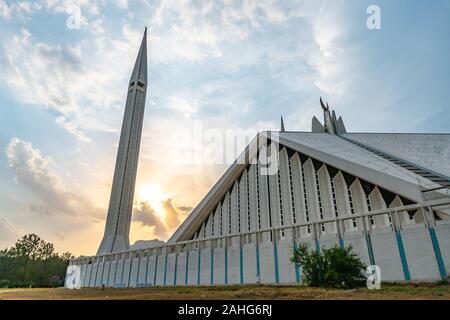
x: 245, y: 214
x: 327, y: 199
x: 419, y: 253
x: 387, y: 256
x: 275, y: 263
x: 250, y: 263
x: 156, y: 267
x: 442, y: 230
x: 274, y: 201
x: 234, y: 211
x: 218, y: 221
x: 285, y: 188
x: 234, y: 264
x: 263, y: 195
x: 219, y: 265
x: 170, y: 270
x: 181, y: 268
x: 252, y: 204
x: 285, y: 266
x: 311, y: 193
x: 297, y: 189
x: 359, y: 201
x: 205, y: 266
x: 225, y: 207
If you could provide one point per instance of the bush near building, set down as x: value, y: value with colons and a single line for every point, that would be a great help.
x: 330, y: 268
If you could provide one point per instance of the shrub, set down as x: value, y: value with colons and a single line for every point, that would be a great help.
x: 330, y: 268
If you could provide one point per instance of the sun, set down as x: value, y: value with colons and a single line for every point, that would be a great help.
x: 153, y: 195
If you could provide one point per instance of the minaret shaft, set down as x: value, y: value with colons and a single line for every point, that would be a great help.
x: 117, y: 229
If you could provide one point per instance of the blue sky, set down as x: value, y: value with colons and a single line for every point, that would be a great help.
x: 222, y: 64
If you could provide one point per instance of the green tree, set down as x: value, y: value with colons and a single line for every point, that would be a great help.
x: 32, y: 262
x: 332, y: 268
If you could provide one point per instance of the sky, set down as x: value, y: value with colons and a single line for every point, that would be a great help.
x: 215, y: 67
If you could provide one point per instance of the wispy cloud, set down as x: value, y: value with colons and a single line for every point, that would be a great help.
x: 8, y: 233
x: 72, y: 128
x: 38, y: 173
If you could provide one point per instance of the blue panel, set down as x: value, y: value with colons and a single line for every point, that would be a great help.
x: 165, y: 269
x: 103, y: 271
x: 146, y: 268
x: 115, y: 274
x: 175, y: 272
x: 199, y: 264
x: 123, y: 268
x: 226, y: 263
x: 129, y: 272
x: 187, y: 268
x: 241, y: 260
x: 156, y: 269
x: 258, y: 267
x: 109, y: 272
x: 139, y: 269
x: 370, y: 249
x: 401, y: 250
x: 437, y: 253
x: 275, y: 256
x: 297, y: 267
x: 212, y: 264
x: 96, y: 272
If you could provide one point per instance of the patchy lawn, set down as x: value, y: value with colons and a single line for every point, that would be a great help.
x: 388, y: 291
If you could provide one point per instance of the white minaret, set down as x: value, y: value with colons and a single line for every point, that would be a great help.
x: 116, y: 237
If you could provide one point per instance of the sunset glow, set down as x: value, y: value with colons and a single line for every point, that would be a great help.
x: 154, y: 196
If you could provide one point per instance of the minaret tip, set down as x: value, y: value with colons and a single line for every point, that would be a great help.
x: 140, y: 67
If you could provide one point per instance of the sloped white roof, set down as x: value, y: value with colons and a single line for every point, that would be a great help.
x: 351, y: 158
x: 431, y: 151
x: 330, y: 149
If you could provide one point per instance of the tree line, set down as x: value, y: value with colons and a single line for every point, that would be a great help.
x: 32, y: 262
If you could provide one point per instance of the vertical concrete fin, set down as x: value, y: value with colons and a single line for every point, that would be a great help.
x: 316, y: 126
x: 341, y: 126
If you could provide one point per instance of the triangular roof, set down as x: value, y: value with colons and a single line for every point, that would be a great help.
x: 330, y: 149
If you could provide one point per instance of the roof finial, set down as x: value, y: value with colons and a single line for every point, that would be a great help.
x: 325, y: 108
x: 282, y: 125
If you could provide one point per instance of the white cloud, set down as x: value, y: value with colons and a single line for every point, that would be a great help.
x: 38, y: 174
x: 20, y: 9
x: 123, y: 4
x: 328, y: 60
x: 72, y: 128
x: 183, y: 106
x: 39, y: 73
x: 76, y: 82
x: 64, y: 6
x: 5, y: 10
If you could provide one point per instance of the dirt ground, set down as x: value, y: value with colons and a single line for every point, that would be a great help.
x: 388, y: 291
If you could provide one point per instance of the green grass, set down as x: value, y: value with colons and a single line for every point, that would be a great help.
x: 387, y: 291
